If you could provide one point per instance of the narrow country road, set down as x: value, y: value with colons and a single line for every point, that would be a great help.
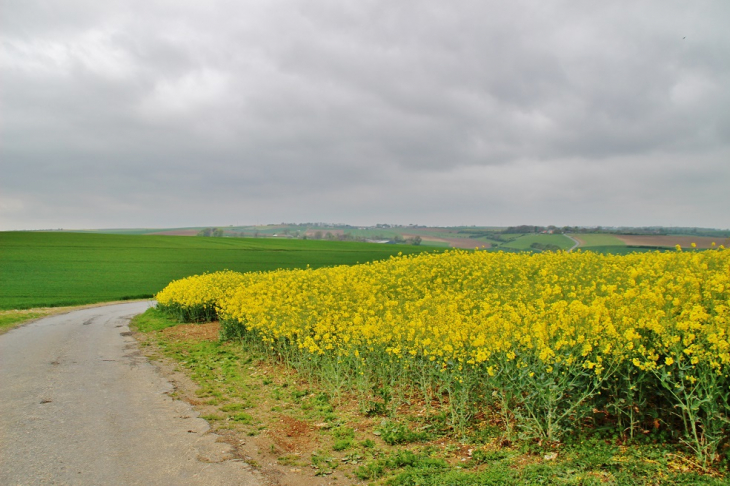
x: 79, y: 405
x: 576, y: 245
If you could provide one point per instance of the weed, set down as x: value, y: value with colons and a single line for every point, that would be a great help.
x: 243, y: 418
x: 367, y: 444
x: 233, y: 407
x: 342, y: 444
x: 481, y: 456
x: 290, y: 460
x: 211, y: 417
x: 398, y: 433
x: 342, y: 432
x: 398, y: 460
x: 353, y: 458
x: 323, y: 464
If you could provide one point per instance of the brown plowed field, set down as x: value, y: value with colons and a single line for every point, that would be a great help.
x: 464, y: 243
x: 670, y: 241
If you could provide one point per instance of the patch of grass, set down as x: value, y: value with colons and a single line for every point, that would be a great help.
x: 290, y: 460
x: 436, y: 244
x: 400, y: 459
x: 525, y: 242
x: 597, y: 239
x: 429, y: 477
x: 319, y: 407
x: 13, y: 318
x: 242, y: 417
x: 234, y: 407
x: 367, y: 444
x: 344, y: 438
x: 323, y: 463
x: 394, y: 433
x: 211, y: 417
x: 624, y: 250
x: 343, y: 432
x: 52, y: 269
x: 342, y: 444
x: 153, y: 320
x: 481, y: 456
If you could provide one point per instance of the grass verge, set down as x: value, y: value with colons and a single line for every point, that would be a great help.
x: 14, y: 318
x: 282, y: 423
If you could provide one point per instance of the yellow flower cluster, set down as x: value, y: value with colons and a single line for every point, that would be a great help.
x: 464, y: 308
x: 473, y: 317
x: 195, y: 298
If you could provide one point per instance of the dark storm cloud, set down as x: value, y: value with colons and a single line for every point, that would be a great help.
x: 166, y: 113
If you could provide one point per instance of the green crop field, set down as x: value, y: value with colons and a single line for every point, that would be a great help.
x: 622, y: 249
x: 598, y: 239
x: 524, y: 242
x: 52, y: 269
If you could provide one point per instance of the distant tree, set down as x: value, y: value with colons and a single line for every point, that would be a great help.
x: 317, y: 235
x: 523, y: 229
x: 416, y: 240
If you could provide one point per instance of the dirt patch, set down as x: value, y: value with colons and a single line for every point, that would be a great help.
x: 209, y: 331
x: 292, y: 435
x: 668, y: 241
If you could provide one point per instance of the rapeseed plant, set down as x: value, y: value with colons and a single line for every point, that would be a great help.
x: 549, y: 339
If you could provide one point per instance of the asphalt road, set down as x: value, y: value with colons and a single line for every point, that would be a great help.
x: 79, y: 405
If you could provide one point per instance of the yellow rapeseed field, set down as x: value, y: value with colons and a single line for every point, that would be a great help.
x: 543, y: 340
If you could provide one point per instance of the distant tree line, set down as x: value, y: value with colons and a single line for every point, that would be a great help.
x: 215, y: 232
x: 397, y: 239
x: 545, y: 247
x: 498, y: 235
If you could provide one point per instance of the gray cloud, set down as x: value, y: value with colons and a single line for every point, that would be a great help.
x: 168, y: 113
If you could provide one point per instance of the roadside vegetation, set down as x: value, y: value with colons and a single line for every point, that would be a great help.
x: 477, y: 368
x: 274, y: 415
x: 13, y: 318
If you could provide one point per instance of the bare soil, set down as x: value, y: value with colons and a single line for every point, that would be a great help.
x: 193, y: 332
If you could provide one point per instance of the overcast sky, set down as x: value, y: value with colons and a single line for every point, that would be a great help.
x: 169, y: 113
